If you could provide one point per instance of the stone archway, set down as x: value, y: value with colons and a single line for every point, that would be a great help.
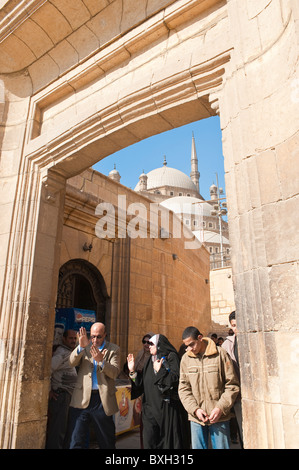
x: 160, y: 66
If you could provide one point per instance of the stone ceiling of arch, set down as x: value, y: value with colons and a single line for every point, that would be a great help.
x: 29, y: 29
x: 155, y: 77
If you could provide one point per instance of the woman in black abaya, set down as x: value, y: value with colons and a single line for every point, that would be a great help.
x: 164, y: 419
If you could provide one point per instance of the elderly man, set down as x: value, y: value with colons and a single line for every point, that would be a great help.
x: 94, y: 397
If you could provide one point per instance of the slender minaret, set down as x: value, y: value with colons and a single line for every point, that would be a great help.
x: 194, y: 175
x: 143, y: 182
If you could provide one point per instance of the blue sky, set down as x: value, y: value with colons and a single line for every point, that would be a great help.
x: 176, y: 146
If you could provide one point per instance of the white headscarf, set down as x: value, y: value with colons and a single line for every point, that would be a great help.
x: 154, y: 339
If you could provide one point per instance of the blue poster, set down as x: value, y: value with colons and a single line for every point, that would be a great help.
x: 72, y: 319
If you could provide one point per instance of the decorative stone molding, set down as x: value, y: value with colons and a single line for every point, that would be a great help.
x: 190, y: 85
x: 16, y: 15
x: 52, y: 187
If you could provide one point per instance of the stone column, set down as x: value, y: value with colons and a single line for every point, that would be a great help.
x: 118, y: 323
x: 260, y: 122
x: 28, y: 308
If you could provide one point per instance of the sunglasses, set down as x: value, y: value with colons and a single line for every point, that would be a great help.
x: 148, y: 342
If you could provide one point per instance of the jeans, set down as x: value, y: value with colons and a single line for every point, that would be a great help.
x: 219, y: 432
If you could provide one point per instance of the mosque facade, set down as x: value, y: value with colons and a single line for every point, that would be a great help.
x: 179, y: 193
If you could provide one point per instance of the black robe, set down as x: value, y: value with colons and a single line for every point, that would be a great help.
x: 163, y: 416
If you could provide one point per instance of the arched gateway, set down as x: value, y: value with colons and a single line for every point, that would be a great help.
x: 82, y: 79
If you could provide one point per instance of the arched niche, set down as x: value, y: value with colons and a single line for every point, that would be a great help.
x: 81, y: 285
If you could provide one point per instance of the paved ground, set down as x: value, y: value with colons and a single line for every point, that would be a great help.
x: 131, y: 440
x: 128, y: 440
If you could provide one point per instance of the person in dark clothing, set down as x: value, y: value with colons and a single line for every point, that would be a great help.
x: 63, y: 381
x: 140, y: 361
x: 162, y: 412
x: 231, y: 346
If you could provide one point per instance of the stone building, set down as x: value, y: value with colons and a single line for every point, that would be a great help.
x: 82, y: 79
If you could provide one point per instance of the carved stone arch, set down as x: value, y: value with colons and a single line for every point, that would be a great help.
x: 79, y: 274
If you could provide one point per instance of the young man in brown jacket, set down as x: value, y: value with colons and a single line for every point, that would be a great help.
x: 208, y: 388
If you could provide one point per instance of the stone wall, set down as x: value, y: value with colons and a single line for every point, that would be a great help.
x: 260, y: 122
x: 222, y: 295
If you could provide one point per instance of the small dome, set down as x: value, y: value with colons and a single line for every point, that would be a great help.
x: 114, y: 174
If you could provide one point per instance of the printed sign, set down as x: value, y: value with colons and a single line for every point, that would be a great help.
x: 72, y: 319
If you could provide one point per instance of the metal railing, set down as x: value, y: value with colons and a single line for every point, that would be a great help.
x: 219, y: 260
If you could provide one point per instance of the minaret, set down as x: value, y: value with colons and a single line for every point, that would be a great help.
x: 213, y: 192
x: 194, y: 175
x: 143, y: 182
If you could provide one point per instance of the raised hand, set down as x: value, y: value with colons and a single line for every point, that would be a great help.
x: 83, y: 339
x: 131, y: 362
x: 97, y: 355
x: 157, y: 364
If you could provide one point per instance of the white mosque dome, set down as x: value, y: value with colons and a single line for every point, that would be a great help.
x: 187, y: 205
x: 167, y: 176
